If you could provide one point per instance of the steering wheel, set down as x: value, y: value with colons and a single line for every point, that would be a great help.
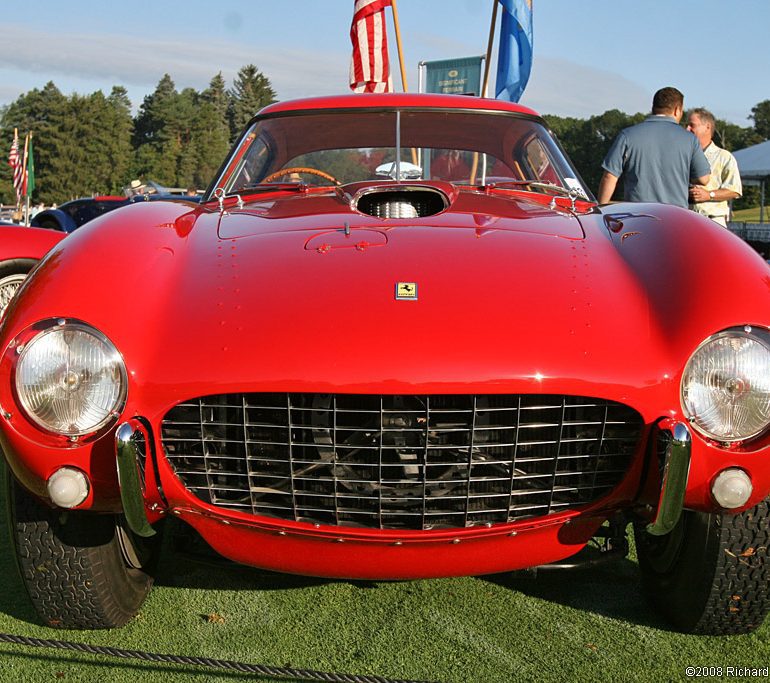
x: 299, y: 169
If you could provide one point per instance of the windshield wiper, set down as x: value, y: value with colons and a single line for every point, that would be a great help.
x: 573, y: 193
x: 220, y: 196
x: 532, y: 183
x: 266, y: 187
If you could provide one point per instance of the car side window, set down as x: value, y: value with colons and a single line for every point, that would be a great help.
x: 539, y: 162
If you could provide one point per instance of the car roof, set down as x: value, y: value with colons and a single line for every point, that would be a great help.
x: 419, y: 100
x: 97, y: 198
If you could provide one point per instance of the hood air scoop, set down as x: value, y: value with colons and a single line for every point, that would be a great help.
x: 401, y: 202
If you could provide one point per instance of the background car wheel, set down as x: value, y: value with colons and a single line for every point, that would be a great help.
x: 12, y: 274
x: 711, y: 574
x: 81, y: 570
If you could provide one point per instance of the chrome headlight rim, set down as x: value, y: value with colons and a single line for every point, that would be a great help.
x: 757, y: 334
x: 25, y: 341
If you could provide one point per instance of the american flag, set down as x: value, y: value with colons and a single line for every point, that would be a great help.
x: 369, y: 67
x: 14, y: 161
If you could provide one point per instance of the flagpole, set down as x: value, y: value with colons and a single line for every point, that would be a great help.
x: 23, y: 202
x: 18, y: 195
x: 485, y: 83
x: 398, y: 45
x: 401, y: 61
x: 26, y: 173
x: 491, y: 41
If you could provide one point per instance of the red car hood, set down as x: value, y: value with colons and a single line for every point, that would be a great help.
x: 200, y: 303
x: 246, y: 302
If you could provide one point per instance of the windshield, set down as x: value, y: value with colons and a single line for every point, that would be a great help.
x: 345, y: 146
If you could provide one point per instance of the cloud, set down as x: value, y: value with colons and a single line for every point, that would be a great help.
x: 564, y: 88
x: 132, y: 61
x: 556, y: 87
x: 9, y: 92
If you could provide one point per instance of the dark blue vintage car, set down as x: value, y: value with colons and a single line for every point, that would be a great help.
x: 71, y: 215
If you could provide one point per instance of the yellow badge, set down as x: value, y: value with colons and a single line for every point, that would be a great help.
x: 406, y: 291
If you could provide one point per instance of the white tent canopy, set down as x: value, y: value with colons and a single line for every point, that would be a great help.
x: 754, y: 166
x: 754, y: 161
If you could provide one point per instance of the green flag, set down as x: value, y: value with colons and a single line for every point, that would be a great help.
x: 30, y: 168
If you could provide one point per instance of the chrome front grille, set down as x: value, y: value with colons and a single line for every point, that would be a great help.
x: 400, y: 462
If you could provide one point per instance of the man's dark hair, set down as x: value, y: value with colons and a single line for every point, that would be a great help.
x: 666, y: 100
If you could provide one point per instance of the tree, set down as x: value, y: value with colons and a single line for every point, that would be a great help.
x: 588, y: 141
x: 103, y: 126
x: 760, y: 114
x: 87, y: 144
x: 250, y: 92
x: 181, y: 130
x: 156, y: 146
x: 46, y: 113
x: 210, y: 135
x: 120, y: 123
x: 216, y: 95
x: 163, y: 132
x: 82, y: 143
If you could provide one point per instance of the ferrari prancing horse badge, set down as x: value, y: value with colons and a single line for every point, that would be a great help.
x: 406, y: 291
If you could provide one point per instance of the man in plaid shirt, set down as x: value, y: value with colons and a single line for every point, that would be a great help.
x: 711, y: 200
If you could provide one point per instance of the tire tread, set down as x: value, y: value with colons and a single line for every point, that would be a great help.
x: 72, y: 570
x: 740, y: 594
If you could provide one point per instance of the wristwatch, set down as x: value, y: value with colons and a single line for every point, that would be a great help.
x: 712, y: 194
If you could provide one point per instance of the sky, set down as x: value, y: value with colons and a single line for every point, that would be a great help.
x: 589, y: 55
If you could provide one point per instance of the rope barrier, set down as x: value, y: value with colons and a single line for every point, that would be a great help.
x: 226, y: 664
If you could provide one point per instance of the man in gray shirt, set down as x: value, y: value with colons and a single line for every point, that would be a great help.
x: 657, y: 157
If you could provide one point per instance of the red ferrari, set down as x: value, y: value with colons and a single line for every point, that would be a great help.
x: 397, y: 339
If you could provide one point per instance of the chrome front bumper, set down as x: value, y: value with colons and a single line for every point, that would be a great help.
x: 676, y: 468
x: 129, y: 444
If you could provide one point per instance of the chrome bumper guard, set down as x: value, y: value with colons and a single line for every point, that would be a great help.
x: 676, y: 468
x: 129, y: 478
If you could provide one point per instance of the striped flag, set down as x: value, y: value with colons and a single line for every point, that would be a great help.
x: 514, y: 59
x: 22, y: 189
x: 14, y: 161
x: 369, y: 67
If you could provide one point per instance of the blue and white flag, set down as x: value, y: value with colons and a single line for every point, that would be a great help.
x: 514, y: 59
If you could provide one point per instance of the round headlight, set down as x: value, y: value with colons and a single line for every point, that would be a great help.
x: 726, y: 385
x: 70, y: 379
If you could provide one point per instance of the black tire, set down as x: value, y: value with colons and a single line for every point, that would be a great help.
x: 81, y: 570
x: 12, y: 274
x: 711, y: 574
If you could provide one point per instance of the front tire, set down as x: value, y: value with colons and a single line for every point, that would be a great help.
x: 12, y: 274
x: 81, y: 570
x: 711, y: 573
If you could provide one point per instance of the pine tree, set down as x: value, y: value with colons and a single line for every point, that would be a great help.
x: 216, y: 95
x: 250, y: 92
x: 45, y: 113
x: 211, y: 132
x: 120, y: 125
x: 157, y: 148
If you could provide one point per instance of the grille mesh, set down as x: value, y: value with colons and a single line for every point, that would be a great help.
x: 400, y: 462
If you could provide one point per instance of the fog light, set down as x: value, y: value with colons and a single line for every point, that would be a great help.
x: 731, y: 488
x: 68, y: 487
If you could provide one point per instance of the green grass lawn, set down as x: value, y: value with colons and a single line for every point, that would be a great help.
x: 751, y: 215
x: 578, y: 626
